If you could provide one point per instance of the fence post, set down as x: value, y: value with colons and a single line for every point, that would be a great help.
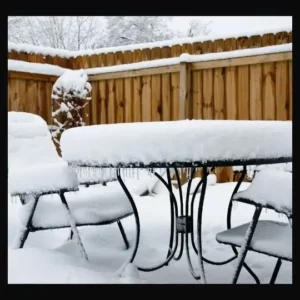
x: 185, y: 110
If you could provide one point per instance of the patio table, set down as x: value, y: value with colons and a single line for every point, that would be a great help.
x: 175, y: 145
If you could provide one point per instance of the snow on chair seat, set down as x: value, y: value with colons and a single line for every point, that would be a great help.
x: 270, y: 188
x: 101, y: 205
x: 42, y: 178
x: 270, y: 238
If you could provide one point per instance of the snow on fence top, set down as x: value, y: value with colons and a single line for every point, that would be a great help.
x: 27, y: 67
x: 176, y: 141
x: 169, y: 43
x: 21, y: 66
x: 192, y: 58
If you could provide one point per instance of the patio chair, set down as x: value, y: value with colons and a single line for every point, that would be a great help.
x: 271, y: 189
x: 36, y: 171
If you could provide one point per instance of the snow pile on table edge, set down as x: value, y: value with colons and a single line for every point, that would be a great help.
x: 21, y: 66
x: 152, y: 144
x: 27, y: 48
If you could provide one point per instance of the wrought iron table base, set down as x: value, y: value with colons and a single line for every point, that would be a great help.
x: 182, y: 223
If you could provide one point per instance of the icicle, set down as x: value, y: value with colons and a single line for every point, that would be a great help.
x: 138, y: 173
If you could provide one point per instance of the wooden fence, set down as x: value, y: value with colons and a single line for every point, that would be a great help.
x: 124, y: 57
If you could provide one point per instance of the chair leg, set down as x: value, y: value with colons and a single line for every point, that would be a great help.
x: 276, y: 270
x: 123, y: 234
x: 73, y: 226
x: 71, y: 235
x: 24, y: 232
x: 244, y: 248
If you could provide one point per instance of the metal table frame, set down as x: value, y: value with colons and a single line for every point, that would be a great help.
x: 182, y: 217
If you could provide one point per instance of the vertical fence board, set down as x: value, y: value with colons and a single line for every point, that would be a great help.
x: 256, y: 92
x: 137, y: 99
x: 282, y: 92
x: 269, y: 109
x: 197, y: 94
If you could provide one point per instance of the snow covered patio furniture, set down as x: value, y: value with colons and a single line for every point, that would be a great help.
x: 36, y: 172
x: 271, y: 189
x: 177, y: 145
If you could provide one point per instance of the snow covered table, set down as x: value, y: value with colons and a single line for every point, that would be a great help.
x: 189, y: 144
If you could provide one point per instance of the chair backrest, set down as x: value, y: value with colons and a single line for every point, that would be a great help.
x: 271, y: 188
x: 29, y: 141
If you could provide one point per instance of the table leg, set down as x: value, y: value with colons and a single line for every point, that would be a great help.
x: 136, y: 215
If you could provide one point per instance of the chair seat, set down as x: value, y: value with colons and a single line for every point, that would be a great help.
x: 270, y: 237
x: 42, y: 178
x: 89, y: 206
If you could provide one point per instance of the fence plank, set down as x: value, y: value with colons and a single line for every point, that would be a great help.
x: 231, y: 99
x: 219, y: 93
x: 175, y: 83
x: 120, y: 100
x: 256, y: 92
x: 185, y: 91
x: 207, y: 87
x: 102, y: 96
x: 146, y: 98
x: 269, y: 91
x: 41, y: 100
x: 197, y: 94
x: 137, y: 99
x: 281, y: 96
x: 243, y: 92
x: 128, y: 100
x: 48, y: 100
x: 31, y: 96
x: 111, y: 102
x: 94, y: 104
x: 290, y: 90
x: 166, y: 95
x: 156, y: 99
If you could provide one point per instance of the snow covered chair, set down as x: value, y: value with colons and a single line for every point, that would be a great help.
x: 35, y: 171
x: 271, y: 189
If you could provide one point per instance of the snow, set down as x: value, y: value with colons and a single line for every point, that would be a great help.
x: 88, y: 206
x: 236, y: 53
x: 269, y: 237
x: 283, y: 166
x: 33, y: 163
x: 194, y: 140
x: 190, y: 58
x: 31, y: 49
x: 28, y: 67
x: 42, y: 178
x: 211, y: 180
x: 48, y: 257
x: 72, y: 84
x: 270, y: 187
x: 169, y: 43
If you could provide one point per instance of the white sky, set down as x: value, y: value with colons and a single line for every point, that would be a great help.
x: 220, y: 25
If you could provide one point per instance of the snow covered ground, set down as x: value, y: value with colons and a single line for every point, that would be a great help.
x: 49, y: 258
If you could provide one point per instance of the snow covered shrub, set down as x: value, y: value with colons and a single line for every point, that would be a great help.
x: 70, y: 94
